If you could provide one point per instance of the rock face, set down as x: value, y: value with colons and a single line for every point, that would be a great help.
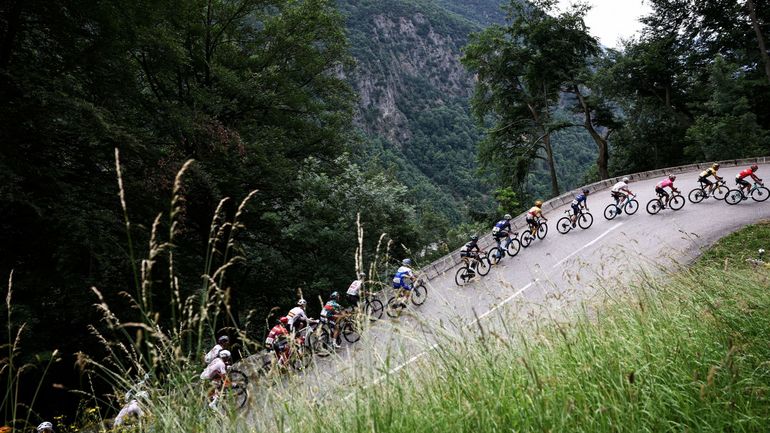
x: 414, y: 92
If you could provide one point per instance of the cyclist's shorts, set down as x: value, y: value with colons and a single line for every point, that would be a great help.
x: 280, y: 346
x: 617, y: 194
x: 704, y: 180
x: 531, y: 220
x: 352, y: 299
x: 501, y: 234
x: 743, y: 182
x: 576, y: 208
x: 403, y: 286
x: 661, y: 191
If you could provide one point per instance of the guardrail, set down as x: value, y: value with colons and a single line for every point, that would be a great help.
x: 451, y: 260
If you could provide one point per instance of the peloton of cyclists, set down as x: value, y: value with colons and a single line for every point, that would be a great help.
x: 666, y: 183
x: 749, y: 172
x: 620, y: 191
x: 533, y: 214
x: 579, y: 201
x: 704, y: 175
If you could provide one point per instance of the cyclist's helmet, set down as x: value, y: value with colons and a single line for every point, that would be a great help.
x: 754, y: 167
x: 302, y: 302
x: 508, y: 216
x: 45, y: 426
x: 361, y: 275
x: 671, y: 177
x: 474, y: 238
x: 284, y: 320
x: 626, y: 180
x: 715, y: 166
x: 538, y: 203
x: 586, y: 191
x: 335, y: 295
x: 223, y: 339
x: 406, y: 262
x: 224, y: 354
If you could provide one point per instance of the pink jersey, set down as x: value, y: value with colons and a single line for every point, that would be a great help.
x: 666, y: 183
x: 745, y: 173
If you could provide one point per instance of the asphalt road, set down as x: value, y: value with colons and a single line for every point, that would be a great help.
x: 550, y: 278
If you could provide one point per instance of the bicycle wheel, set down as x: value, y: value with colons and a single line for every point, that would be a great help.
x: 349, y: 332
x: 526, y: 238
x: 374, y: 309
x: 494, y: 255
x: 483, y: 266
x: 697, y: 195
x: 563, y: 226
x: 462, y: 276
x: 735, y: 196
x: 542, y: 230
x: 611, y: 211
x: 239, y: 383
x: 419, y: 295
x: 720, y: 192
x: 676, y: 202
x: 585, y: 220
x: 632, y: 206
x: 760, y: 193
x: 514, y: 246
x: 654, y: 206
x: 394, y: 306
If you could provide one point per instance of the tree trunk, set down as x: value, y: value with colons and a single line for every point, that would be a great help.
x: 551, y: 163
x: 601, y: 142
x: 760, y: 38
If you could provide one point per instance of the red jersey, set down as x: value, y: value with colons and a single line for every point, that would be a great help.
x: 745, y: 173
x: 278, y: 332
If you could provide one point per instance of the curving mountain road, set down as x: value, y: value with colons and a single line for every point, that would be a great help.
x: 547, y: 278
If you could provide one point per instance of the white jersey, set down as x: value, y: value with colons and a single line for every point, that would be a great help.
x: 132, y: 408
x: 619, y: 186
x: 404, y: 272
x: 296, y: 313
x: 355, y: 286
x: 216, y: 368
x: 213, y: 353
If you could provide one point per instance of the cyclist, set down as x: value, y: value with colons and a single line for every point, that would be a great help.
x: 533, y: 214
x: 352, y: 295
x: 620, y: 191
x: 666, y: 183
x: 739, y: 179
x: 711, y: 171
x: 278, y: 340
x: 404, y: 280
x: 216, y: 372
x: 132, y: 409
x: 332, y: 312
x: 470, y: 251
x: 297, y: 317
x: 45, y: 427
x: 223, y: 342
x: 502, y: 229
x: 579, y: 201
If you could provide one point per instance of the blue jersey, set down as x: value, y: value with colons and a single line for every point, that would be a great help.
x: 403, y: 278
x: 502, y: 225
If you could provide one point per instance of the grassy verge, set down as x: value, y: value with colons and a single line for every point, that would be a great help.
x: 688, y: 352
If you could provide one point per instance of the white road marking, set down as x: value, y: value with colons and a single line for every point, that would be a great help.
x: 588, y: 244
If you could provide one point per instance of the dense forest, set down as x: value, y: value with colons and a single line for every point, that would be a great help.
x: 303, y: 117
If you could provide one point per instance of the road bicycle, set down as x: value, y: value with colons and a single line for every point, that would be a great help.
x: 474, y: 265
x: 372, y: 306
x: 758, y: 192
x: 719, y: 192
x: 233, y: 389
x: 527, y: 237
x: 348, y: 330
x: 629, y: 206
x: 584, y: 220
x: 512, y: 247
x: 675, y: 202
x: 396, y: 304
